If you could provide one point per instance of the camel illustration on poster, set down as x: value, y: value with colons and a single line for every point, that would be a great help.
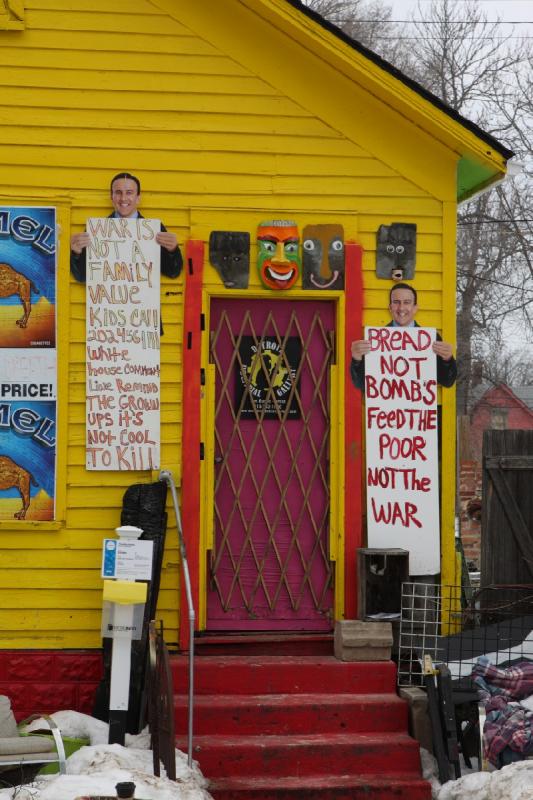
x: 28, y: 363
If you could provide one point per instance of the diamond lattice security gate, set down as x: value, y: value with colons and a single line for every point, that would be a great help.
x: 269, y: 568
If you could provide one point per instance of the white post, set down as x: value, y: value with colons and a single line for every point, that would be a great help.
x: 122, y: 618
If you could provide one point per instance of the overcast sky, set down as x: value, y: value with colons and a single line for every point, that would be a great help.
x: 508, y: 10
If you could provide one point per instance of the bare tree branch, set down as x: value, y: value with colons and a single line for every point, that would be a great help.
x: 454, y: 52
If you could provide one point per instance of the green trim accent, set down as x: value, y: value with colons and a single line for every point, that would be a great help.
x: 473, y: 176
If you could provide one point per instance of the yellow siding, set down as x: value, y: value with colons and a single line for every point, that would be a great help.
x: 90, y: 88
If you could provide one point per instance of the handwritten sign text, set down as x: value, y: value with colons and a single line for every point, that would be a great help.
x: 402, y: 445
x: 122, y: 351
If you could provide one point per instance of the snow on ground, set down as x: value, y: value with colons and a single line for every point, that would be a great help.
x: 514, y: 782
x: 98, y: 767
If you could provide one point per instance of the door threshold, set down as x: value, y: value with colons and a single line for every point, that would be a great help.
x: 262, y: 643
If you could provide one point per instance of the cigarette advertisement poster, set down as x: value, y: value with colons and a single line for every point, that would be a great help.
x: 123, y: 359
x: 402, y: 445
x: 28, y: 363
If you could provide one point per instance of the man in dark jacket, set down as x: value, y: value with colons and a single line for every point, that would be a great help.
x: 125, y: 197
x: 403, y: 308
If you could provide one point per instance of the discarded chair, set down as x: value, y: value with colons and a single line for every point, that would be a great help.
x: 22, y: 750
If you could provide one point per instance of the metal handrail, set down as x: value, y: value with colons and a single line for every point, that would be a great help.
x: 166, y: 476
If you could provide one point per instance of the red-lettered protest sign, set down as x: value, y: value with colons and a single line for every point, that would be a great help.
x: 402, y: 445
x: 123, y: 363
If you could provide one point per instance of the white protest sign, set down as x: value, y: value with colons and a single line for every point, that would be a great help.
x: 123, y: 360
x: 402, y: 445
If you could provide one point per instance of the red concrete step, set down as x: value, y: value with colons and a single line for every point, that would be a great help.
x: 279, y: 644
x: 283, y: 675
x: 341, y: 787
x: 370, y: 753
x: 305, y: 727
x: 292, y: 713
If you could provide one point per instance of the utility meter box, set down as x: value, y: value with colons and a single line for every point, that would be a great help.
x: 380, y: 574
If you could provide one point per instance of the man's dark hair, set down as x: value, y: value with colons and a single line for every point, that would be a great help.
x: 125, y: 176
x: 403, y: 286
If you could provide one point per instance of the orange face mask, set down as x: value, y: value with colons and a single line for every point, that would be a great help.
x: 278, y: 260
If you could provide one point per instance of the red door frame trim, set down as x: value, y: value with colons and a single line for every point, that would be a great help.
x: 191, y: 432
x: 353, y: 530
x: 190, y: 442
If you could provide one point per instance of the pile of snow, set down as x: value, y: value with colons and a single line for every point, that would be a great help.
x: 97, y: 768
x: 81, y: 726
x: 514, y: 782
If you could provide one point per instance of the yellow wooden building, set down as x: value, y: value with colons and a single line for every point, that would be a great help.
x: 232, y: 113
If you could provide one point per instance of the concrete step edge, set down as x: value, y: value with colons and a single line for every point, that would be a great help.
x: 318, y: 781
x: 289, y: 698
x: 390, y: 738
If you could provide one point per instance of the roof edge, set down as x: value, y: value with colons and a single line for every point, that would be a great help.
x: 503, y: 151
x: 506, y: 390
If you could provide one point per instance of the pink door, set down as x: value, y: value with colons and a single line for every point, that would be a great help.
x: 270, y: 568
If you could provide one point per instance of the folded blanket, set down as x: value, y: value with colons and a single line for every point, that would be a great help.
x: 508, y: 724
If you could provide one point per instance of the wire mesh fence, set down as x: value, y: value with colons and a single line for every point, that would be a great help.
x: 455, y: 629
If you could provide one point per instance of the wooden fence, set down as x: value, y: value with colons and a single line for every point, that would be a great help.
x: 507, y: 512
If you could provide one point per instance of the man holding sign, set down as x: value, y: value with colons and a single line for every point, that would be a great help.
x: 125, y: 197
x: 401, y: 419
x: 403, y: 307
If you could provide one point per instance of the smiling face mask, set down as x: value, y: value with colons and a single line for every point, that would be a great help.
x: 323, y: 257
x: 278, y: 260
